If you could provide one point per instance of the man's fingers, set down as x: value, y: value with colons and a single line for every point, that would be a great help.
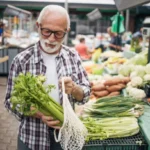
x: 39, y: 114
x: 70, y: 84
x: 53, y: 123
x: 50, y: 122
x: 67, y: 79
x: 47, y: 118
x: 68, y: 90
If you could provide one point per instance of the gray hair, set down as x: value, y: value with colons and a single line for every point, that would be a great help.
x: 54, y: 8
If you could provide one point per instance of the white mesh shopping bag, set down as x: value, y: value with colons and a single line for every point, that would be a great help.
x: 72, y: 133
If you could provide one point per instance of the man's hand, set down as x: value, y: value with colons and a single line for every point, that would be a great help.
x: 38, y: 114
x: 49, y: 121
x: 68, y: 83
x: 72, y: 88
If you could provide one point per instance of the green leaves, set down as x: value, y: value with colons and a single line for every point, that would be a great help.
x: 29, y: 91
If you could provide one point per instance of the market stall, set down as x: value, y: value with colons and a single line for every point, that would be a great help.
x: 116, y: 73
x: 19, y: 23
x: 11, y: 52
x: 144, y: 124
x: 117, y: 114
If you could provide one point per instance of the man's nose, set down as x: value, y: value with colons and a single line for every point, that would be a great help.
x: 51, y: 38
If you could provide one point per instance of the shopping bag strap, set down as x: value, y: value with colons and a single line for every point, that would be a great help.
x: 57, y: 139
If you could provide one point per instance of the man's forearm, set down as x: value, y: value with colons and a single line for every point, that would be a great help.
x: 77, y: 92
x: 115, y: 46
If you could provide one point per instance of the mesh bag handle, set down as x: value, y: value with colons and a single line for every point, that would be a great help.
x: 72, y: 134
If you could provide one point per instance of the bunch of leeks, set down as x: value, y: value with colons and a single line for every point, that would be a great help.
x: 117, y: 106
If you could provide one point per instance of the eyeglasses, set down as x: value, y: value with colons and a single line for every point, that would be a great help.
x: 47, y: 32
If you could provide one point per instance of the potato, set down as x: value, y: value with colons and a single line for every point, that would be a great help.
x: 122, y: 86
x: 92, y: 97
x: 126, y: 80
x: 98, y: 87
x: 114, y: 93
x: 113, y: 82
x: 113, y: 88
x: 101, y: 93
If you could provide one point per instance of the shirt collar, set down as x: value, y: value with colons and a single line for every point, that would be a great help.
x: 37, y: 53
x: 63, y: 52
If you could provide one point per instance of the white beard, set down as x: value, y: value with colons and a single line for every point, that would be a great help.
x: 47, y: 48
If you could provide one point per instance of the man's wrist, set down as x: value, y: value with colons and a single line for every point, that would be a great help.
x: 74, y: 89
x: 77, y: 92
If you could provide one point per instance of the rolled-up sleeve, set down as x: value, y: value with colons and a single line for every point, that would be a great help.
x: 83, y: 81
x: 13, y: 72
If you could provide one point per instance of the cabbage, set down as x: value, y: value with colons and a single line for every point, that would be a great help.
x: 137, y: 93
x: 147, y: 69
x: 133, y: 74
x: 138, y: 60
x: 141, y: 60
x: 147, y: 77
x: 125, y: 70
x: 140, y: 70
x: 136, y: 82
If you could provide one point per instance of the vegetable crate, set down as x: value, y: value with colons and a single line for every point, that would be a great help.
x: 135, y: 142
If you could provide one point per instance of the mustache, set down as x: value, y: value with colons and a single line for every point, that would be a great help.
x: 48, y: 42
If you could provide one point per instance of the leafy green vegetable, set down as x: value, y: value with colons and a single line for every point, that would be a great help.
x: 115, y: 127
x: 116, y: 106
x: 29, y: 91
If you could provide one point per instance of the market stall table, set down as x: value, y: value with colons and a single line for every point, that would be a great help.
x: 11, y: 51
x: 144, y: 122
x: 140, y: 141
x: 4, y: 60
x: 136, y: 142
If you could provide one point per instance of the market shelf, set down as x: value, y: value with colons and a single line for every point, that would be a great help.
x: 136, y: 142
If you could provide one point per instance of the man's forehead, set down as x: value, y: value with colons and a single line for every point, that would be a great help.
x: 54, y: 17
x: 54, y: 20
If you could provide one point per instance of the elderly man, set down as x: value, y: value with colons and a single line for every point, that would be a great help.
x: 54, y: 60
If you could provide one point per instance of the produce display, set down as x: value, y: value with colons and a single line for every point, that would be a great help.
x: 112, y: 117
x: 138, y: 70
x: 116, y: 99
x: 92, y: 68
x: 100, y: 129
x: 110, y: 87
x: 116, y: 106
x: 113, y: 60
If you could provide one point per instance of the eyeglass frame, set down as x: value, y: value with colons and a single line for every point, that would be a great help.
x: 51, y: 32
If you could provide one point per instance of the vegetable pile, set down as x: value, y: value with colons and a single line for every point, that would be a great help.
x: 110, y: 87
x: 139, y: 59
x: 112, y: 117
x: 100, y: 129
x: 116, y: 106
x: 29, y: 91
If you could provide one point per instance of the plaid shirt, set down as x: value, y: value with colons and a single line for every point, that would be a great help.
x: 33, y: 132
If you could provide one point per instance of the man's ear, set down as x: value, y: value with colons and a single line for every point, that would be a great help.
x: 68, y: 29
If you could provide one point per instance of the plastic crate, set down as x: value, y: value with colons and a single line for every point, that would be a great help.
x: 135, y: 142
